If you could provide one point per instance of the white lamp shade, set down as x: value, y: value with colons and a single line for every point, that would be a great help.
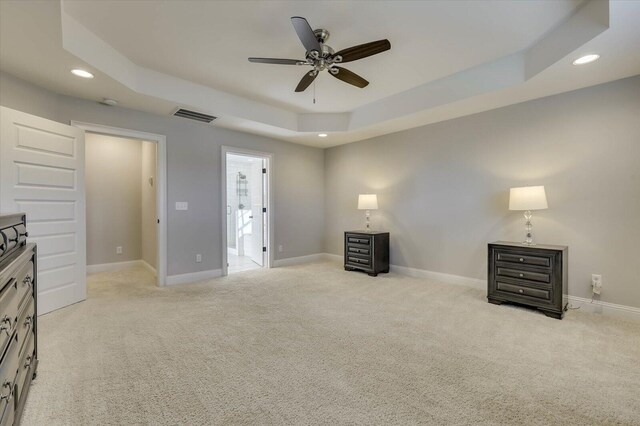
x: 528, y: 198
x: 367, y: 202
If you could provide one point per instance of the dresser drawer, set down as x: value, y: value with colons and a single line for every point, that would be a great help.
x: 524, y: 259
x: 8, y: 412
x: 359, y: 239
x: 524, y: 291
x: 8, y: 370
x: 25, y: 324
x: 24, y: 367
x: 541, y: 277
x: 8, y: 312
x: 24, y: 282
x: 358, y: 261
x: 358, y: 250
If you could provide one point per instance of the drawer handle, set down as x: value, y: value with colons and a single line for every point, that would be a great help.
x: 8, y: 396
x: 27, y: 321
x: 27, y: 280
x: 520, y: 291
x: 5, y: 324
x: 28, y: 363
x: 521, y: 260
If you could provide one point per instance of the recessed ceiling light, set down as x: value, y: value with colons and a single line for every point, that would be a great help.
x: 81, y: 73
x: 586, y: 59
x: 322, y: 135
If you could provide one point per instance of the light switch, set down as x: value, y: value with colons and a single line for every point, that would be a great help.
x: 182, y: 205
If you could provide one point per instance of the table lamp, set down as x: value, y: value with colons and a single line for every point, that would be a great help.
x: 368, y: 202
x: 528, y: 198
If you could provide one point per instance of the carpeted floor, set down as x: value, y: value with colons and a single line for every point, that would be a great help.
x: 314, y: 344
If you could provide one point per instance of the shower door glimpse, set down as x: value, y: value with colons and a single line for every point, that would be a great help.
x: 246, y: 214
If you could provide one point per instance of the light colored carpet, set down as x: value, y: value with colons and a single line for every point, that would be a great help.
x: 314, y: 344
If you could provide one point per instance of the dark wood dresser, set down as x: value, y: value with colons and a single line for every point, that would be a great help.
x: 536, y: 276
x: 18, y: 317
x: 366, y: 251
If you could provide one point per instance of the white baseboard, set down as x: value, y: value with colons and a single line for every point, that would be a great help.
x: 290, y: 261
x: 439, y: 276
x: 149, y: 267
x: 107, y: 267
x: 192, y: 277
x: 597, y: 307
x: 605, y: 308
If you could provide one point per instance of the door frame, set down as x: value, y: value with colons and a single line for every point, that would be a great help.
x: 161, y: 184
x: 268, y: 157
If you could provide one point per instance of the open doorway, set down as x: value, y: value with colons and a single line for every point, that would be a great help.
x: 246, y: 216
x: 125, y: 177
x: 121, y: 201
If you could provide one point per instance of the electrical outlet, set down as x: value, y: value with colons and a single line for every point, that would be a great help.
x: 596, y: 283
x: 119, y: 250
x: 182, y: 205
x: 198, y: 258
x: 280, y: 249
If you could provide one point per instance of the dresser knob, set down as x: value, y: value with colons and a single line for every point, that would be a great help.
x: 522, y: 275
x: 520, y: 291
x: 8, y: 396
x: 521, y: 260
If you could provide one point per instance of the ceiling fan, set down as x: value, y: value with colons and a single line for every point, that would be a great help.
x: 322, y: 57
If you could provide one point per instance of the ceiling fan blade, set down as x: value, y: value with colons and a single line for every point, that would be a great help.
x: 306, y: 81
x: 363, y: 50
x: 305, y: 33
x: 349, y: 77
x: 277, y: 61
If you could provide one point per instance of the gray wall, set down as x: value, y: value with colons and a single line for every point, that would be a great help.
x: 443, y: 188
x: 113, y: 192
x: 194, y: 173
x: 148, y: 190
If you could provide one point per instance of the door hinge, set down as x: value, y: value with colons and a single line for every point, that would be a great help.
x: 264, y: 170
x: 158, y: 220
x: 264, y: 210
x: 264, y: 249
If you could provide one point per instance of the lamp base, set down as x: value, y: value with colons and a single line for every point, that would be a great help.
x: 528, y: 227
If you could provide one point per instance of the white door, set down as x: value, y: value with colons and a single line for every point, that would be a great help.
x: 42, y: 174
x: 257, y: 203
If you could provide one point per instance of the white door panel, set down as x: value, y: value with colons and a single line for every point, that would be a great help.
x: 42, y: 171
x: 257, y: 203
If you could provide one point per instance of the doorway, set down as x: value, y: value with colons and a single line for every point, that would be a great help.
x: 246, y: 216
x: 126, y: 203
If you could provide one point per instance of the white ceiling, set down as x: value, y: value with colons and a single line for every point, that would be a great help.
x: 447, y: 59
x: 209, y: 42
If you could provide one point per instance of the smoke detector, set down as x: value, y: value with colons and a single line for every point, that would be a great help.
x: 110, y: 102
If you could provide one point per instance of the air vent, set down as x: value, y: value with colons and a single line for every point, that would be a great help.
x: 192, y: 115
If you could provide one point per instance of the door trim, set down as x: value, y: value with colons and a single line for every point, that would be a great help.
x: 161, y: 183
x: 268, y: 157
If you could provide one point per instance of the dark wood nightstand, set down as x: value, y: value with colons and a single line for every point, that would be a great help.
x: 366, y: 251
x: 535, y: 276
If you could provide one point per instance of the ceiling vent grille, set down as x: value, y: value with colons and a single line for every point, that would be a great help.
x: 192, y: 115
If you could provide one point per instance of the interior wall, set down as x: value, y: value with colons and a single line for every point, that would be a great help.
x: 443, y: 189
x: 113, y: 191
x: 194, y: 175
x: 148, y: 216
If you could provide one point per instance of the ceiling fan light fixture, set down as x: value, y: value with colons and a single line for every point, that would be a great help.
x: 322, y: 135
x: 586, y: 59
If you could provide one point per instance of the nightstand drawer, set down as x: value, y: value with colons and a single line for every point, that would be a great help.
x: 358, y: 260
x: 358, y: 250
x: 359, y: 239
x: 524, y: 259
x: 524, y: 291
x: 541, y: 277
